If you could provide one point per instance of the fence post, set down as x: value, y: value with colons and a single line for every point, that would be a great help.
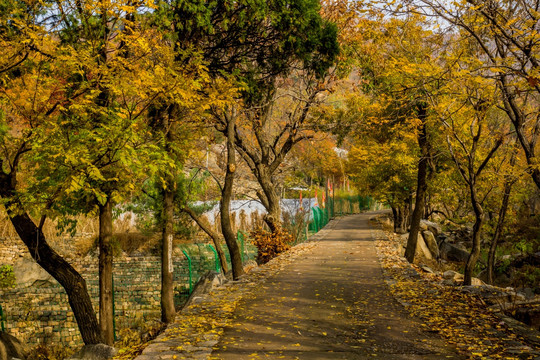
x: 216, y: 259
x: 189, y: 269
x: 315, y: 222
x: 321, y: 218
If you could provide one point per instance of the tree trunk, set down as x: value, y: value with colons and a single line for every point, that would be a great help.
x: 270, y: 200
x: 106, y: 314
x: 508, y: 183
x: 476, y: 236
x: 213, y: 235
x: 400, y: 219
x: 518, y: 120
x: 72, y: 282
x: 498, y: 231
x: 421, y: 188
x: 225, y: 203
x: 168, y: 312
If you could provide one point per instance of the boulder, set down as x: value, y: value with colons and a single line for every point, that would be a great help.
x: 422, y: 249
x: 431, y: 243
x: 426, y: 225
x: 206, y: 283
x: 11, y: 347
x: 95, y: 352
x: 403, y: 238
x: 27, y: 272
x: 453, y: 253
x: 493, y: 295
x: 452, y: 275
x: 476, y: 282
x: 427, y: 269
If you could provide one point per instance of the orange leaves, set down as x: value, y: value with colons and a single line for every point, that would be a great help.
x: 270, y: 244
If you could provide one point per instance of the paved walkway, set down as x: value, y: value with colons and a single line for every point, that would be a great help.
x: 325, y: 299
x: 331, y: 303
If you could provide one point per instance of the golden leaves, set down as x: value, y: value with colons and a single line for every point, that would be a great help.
x: 270, y: 244
x: 462, y: 319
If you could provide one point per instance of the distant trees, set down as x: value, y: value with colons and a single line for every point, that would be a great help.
x: 465, y: 95
x: 506, y: 35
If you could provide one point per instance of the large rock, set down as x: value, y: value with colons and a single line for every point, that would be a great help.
x: 11, y: 347
x: 27, y: 272
x: 451, y: 252
x: 492, y: 295
x: 206, y: 283
x: 403, y: 238
x: 477, y: 282
x: 452, y: 276
x: 95, y: 352
x: 426, y: 225
x: 422, y: 249
x: 431, y: 243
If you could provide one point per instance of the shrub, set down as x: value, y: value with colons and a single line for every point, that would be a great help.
x: 270, y: 245
x: 527, y: 277
x: 7, y: 277
x: 49, y: 352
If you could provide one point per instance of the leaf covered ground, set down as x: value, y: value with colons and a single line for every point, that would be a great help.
x: 461, y: 318
x: 215, y: 327
x: 198, y: 328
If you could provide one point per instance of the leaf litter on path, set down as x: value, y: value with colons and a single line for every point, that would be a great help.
x: 461, y: 319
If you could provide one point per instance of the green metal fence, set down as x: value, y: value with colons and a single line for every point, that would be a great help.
x: 204, y: 257
x: 2, y: 319
x: 337, y: 206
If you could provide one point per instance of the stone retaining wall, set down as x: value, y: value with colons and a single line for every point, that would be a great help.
x: 11, y: 249
x: 40, y: 312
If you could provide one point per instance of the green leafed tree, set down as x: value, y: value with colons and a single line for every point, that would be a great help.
x: 73, y: 113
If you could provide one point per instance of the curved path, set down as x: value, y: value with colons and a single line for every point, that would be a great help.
x: 331, y: 303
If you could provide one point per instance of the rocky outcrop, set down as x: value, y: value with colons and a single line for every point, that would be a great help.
x: 422, y: 249
x: 206, y: 283
x: 451, y: 252
x: 426, y: 225
x: 431, y: 242
x: 452, y: 277
x: 11, y: 347
x: 27, y: 272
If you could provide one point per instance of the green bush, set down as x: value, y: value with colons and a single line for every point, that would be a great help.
x: 7, y: 277
x: 528, y: 276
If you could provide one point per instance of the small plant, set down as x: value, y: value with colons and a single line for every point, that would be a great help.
x: 7, y: 277
x: 528, y: 277
x: 133, y: 339
x: 270, y: 245
x: 49, y: 352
